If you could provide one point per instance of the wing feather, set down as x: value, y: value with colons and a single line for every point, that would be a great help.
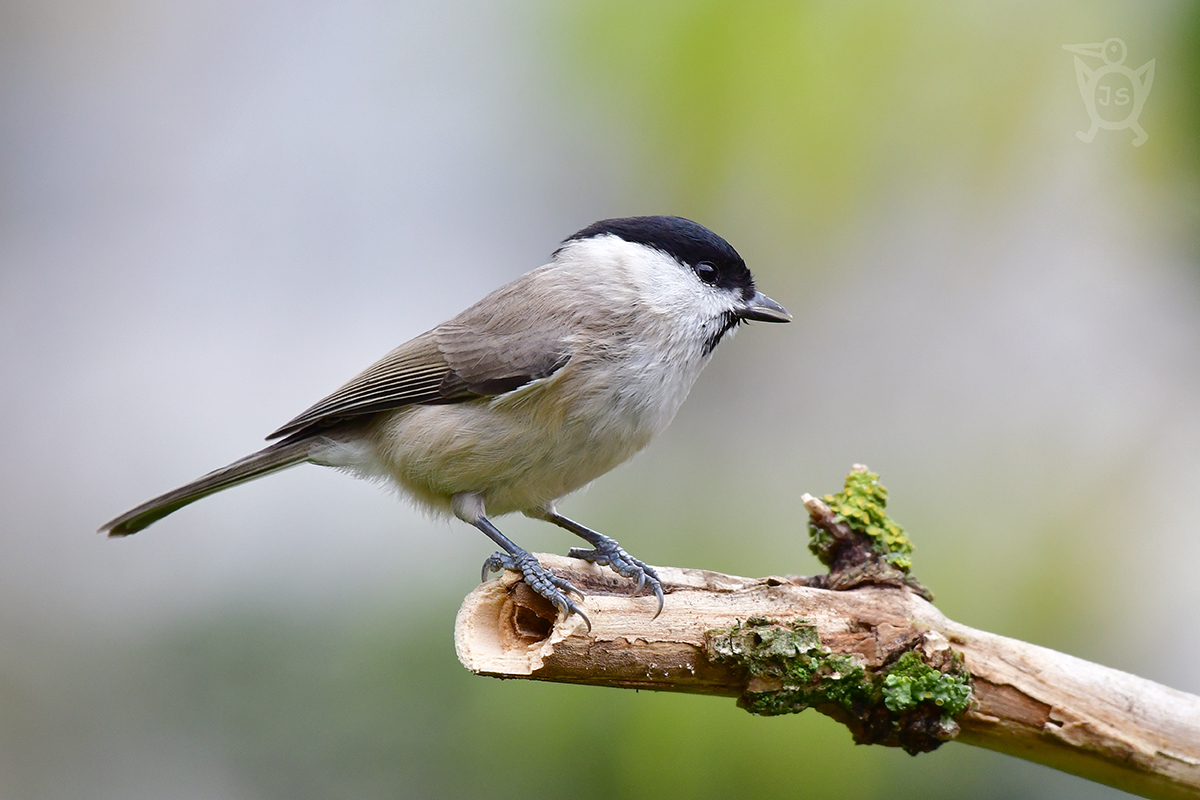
x: 455, y: 362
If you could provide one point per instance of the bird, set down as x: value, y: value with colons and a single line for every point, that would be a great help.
x: 532, y: 393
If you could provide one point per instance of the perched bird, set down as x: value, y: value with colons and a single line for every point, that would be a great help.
x: 533, y: 392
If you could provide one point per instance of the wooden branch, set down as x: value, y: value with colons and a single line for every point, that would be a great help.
x: 1027, y: 701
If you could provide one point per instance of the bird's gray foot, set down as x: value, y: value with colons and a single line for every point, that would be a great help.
x: 469, y: 507
x: 608, y: 553
x: 555, y: 589
x: 605, y: 552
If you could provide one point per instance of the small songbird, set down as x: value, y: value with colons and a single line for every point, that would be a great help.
x: 533, y: 392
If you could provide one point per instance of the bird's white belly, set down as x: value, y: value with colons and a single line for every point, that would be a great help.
x: 525, y: 449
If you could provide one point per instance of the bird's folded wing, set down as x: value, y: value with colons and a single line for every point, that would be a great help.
x: 455, y: 362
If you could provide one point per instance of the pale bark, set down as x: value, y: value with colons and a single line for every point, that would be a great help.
x: 1029, y: 701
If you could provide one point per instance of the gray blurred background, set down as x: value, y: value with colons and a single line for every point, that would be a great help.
x: 212, y: 214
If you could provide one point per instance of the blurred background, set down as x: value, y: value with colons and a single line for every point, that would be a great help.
x: 213, y: 214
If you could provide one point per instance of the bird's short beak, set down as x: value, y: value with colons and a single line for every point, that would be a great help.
x: 1094, y: 50
x: 764, y: 309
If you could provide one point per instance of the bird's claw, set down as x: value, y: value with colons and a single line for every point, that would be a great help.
x: 608, y: 553
x: 555, y: 589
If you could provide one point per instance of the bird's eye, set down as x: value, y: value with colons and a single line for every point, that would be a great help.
x: 707, y: 272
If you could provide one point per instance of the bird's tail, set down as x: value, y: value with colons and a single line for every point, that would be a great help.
x: 280, y: 455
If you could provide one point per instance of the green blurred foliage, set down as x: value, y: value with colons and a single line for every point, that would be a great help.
x: 1176, y: 96
x: 820, y: 106
x: 379, y: 707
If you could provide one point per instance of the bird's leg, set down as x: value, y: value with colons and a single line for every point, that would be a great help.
x: 469, y: 508
x: 606, y: 552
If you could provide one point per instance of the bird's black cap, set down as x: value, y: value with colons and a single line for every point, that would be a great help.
x: 688, y: 242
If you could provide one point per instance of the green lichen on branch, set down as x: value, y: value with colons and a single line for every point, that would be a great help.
x: 788, y: 668
x: 911, y: 681
x: 861, y: 506
x: 910, y: 703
